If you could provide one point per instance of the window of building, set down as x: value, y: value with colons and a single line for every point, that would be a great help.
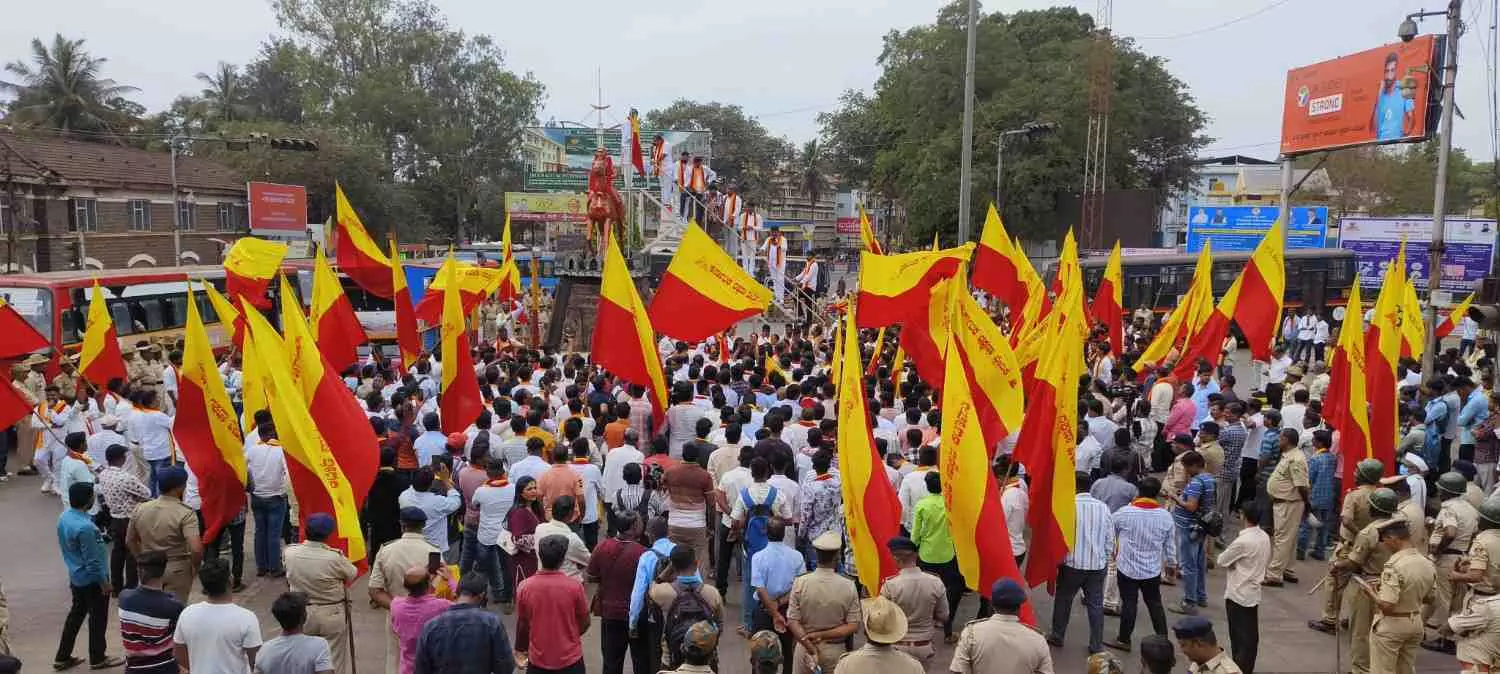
x: 7, y: 213
x: 231, y: 216
x: 85, y: 215
x: 187, y: 215
x: 140, y: 215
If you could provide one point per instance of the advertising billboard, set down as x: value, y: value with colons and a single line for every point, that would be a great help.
x: 1468, y: 255
x: 576, y: 145
x: 277, y: 208
x: 847, y: 225
x: 552, y: 207
x: 1379, y: 95
x: 1240, y: 228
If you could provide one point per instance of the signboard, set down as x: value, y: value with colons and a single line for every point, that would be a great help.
x: 1469, y: 249
x: 847, y: 226
x: 574, y: 147
x: 556, y: 207
x: 1376, y: 96
x: 1240, y: 228
x: 277, y: 207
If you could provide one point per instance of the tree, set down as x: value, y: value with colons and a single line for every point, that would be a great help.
x: 275, y: 82
x: 1400, y: 180
x: 64, y: 88
x: 744, y: 152
x: 904, y: 137
x: 812, y: 178
x: 223, y: 97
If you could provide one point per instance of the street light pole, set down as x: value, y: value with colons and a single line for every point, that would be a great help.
x: 176, y: 207
x: 966, y: 150
x: 1029, y: 130
x: 1440, y: 191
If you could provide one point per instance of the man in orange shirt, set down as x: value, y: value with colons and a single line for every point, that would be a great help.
x: 560, y: 480
x: 614, y: 431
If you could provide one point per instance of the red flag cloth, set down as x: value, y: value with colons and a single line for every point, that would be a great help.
x: 17, y: 337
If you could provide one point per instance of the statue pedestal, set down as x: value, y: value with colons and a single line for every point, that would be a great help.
x: 575, y: 307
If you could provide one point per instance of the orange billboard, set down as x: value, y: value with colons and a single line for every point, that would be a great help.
x: 277, y: 207
x: 1375, y: 96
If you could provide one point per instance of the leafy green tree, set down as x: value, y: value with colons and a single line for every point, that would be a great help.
x: 903, y: 138
x: 744, y: 152
x: 223, y: 96
x: 812, y: 177
x: 275, y: 82
x: 64, y: 88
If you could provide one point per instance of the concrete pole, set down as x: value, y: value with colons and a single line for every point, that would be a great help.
x: 1440, y: 191
x: 966, y: 150
x: 176, y: 209
x: 1284, y: 212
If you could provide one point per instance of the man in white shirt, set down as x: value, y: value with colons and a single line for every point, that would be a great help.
x: 216, y: 635
x: 1099, y: 427
x: 431, y: 442
x: 1088, y: 452
x: 1246, y: 558
x: 1014, y: 502
x: 1321, y: 333
x: 613, y: 476
x: 265, y: 461
x: 1307, y: 326
x: 153, y: 429
x: 169, y: 381
x: 1276, y: 376
x: 726, y: 491
x: 914, y: 485
x: 1293, y: 415
x: 105, y: 435
x: 577, y: 562
x: 1468, y: 331
x: 592, y: 478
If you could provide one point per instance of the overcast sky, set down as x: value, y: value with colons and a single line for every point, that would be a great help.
x: 784, y: 61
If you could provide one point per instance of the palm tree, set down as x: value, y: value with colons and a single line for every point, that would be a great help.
x: 813, y: 180
x: 224, y: 97
x: 63, y: 88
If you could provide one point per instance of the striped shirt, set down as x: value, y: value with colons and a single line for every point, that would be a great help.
x: 1094, y: 536
x: 1145, y: 540
x: 148, y: 617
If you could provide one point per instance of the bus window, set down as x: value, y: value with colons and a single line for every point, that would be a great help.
x: 125, y: 324
x: 34, y: 304
x: 176, y: 310
x: 153, y: 313
x: 546, y: 268
x: 72, y: 325
x: 205, y: 309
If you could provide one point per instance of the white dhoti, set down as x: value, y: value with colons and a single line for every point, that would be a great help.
x: 747, y: 256
x: 778, y: 283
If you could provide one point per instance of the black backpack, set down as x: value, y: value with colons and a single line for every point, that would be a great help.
x: 687, y: 608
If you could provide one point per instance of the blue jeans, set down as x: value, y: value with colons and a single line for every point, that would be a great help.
x: 470, y: 553
x: 156, y: 467
x: 1190, y: 562
x: 269, y: 514
x: 1318, y: 545
x: 749, y: 601
x: 487, y: 562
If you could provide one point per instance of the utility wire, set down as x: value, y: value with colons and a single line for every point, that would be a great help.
x: 1217, y: 26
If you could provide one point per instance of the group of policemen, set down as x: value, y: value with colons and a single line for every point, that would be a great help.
x: 1409, y: 579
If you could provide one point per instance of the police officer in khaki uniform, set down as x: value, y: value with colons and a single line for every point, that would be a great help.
x: 1477, y: 629
x: 388, y: 572
x: 1353, y: 517
x: 170, y: 526
x: 1366, y: 558
x: 824, y: 609
x: 1452, y: 532
x: 66, y: 381
x: 1196, y: 640
x: 323, y: 573
x: 885, y: 626
x: 1000, y: 644
x: 139, y: 369
x: 1406, y: 582
x: 1414, y: 513
x: 921, y: 596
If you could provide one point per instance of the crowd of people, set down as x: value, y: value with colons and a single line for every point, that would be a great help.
x: 566, y: 501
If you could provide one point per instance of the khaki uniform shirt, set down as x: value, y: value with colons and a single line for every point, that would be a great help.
x: 1407, y: 581
x: 1213, y: 457
x: 824, y: 600
x: 1366, y: 551
x: 1219, y: 664
x: 389, y: 570
x: 1484, y: 553
x: 1289, y: 474
x: 873, y: 659
x: 1456, y: 513
x: 1416, y: 522
x: 924, y: 599
x: 1474, y: 495
x: 67, y: 383
x: 138, y: 372
x: 1000, y: 644
x: 1355, y: 515
x: 166, y: 524
x: 319, y: 571
x: 35, y: 384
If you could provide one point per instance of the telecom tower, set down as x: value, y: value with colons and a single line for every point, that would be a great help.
x: 1096, y: 145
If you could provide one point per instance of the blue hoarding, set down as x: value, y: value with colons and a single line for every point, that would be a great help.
x: 1242, y: 227
x: 1468, y: 253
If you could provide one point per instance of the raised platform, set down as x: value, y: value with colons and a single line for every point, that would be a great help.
x: 575, y: 306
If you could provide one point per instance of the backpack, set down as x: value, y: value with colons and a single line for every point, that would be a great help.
x: 687, y: 608
x: 758, y: 517
x: 1206, y: 519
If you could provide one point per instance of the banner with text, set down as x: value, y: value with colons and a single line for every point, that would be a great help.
x: 566, y: 153
x: 1240, y: 228
x: 554, y: 207
x: 276, y: 207
x: 1467, y: 259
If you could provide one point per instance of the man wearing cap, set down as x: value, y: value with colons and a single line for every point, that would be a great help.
x: 1195, y: 636
x: 1000, y: 644
x: 1353, y: 518
x: 824, y: 609
x: 765, y: 652
x: 322, y: 573
x: 1416, y: 477
x: 35, y: 380
x: 67, y: 379
x: 168, y: 525
x: 1477, y: 629
x: 700, y: 648
x: 138, y: 369
x: 920, y: 595
x: 1407, y: 579
x: 389, y: 570
x: 1452, y: 532
x: 1365, y: 557
x: 1290, y: 490
x: 885, y: 626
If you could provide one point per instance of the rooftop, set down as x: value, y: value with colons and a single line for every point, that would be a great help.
x: 41, y: 157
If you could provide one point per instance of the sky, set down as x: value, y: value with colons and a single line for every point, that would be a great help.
x: 783, y: 61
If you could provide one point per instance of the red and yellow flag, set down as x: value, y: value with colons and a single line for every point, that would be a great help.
x: 1208, y: 345
x: 1346, y: 401
x: 1262, y: 286
x: 1180, y: 325
x: 334, y: 322
x: 510, y: 272
x: 1454, y: 317
x: 17, y: 337
x: 408, y: 340
x: 1109, y: 302
x: 1413, y: 328
x: 872, y: 513
x: 13, y: 404
x: 867, y: 233
x: 318, y: 478
x: 637, y: 157
x: 99, y: 357
x: 206, y: 429
x: 1382, y: 351
x: 623, y: 340
x: 893, y: 287
x: 995, y: 264
x: 704, y: 291
x: 460, y: 402
x: 994, y: 375
x: 473, y: 281
x: 249, y: 266
x: 874, y: 365
x: 229, y: 317
x: 359, y: 257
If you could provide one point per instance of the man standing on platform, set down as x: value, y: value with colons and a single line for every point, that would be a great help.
x: 775, y: 247
x: 749, y: 227
x: 322, y: 573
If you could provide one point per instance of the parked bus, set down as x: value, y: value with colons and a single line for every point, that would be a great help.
x: 1316, y: 277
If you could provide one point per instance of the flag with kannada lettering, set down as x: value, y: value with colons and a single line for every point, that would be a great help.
x: 206, y: 429
x: 704, y: 291
x: 359, y: 257
x: 872, y: 512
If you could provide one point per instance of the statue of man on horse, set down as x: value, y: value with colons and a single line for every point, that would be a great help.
x: 606, y: 211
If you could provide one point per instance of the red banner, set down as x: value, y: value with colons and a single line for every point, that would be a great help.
x: 277, y: 207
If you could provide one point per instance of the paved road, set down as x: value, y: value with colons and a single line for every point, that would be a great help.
x: 36, y: 585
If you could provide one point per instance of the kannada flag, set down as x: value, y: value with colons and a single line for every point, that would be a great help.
x: 318, y: 479
x: 408, y: 340
x: 1413, y: 328
x: 1382, y: 351
x: 872, y: 513
x: 637, y: 157
x: 17, y: 337
x: 704, y: 291
x: 100, y: 359
x: 1346, y: 400
x: 995, y: 264
x: 206, y: 430
x: 1262, y: 285
x: 510, y: 272
x: 623, y: 340
x: 893, y: 287
x: 359, y: 257
x: 334, y: 322
x: 874, y: 365
x: 898, y: 368
x: 459, y: 403
x: 1109, y: 302
x: 1035, y: 305
x: 473, y: 281
x: 994, y: 376
x: 1454, y: 317
x: 867, y: 233
x: 1179, y: 326
x: 229, y: 317
x: 13, y: 405
x: 1208, y: 345
x: 249, y: 266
